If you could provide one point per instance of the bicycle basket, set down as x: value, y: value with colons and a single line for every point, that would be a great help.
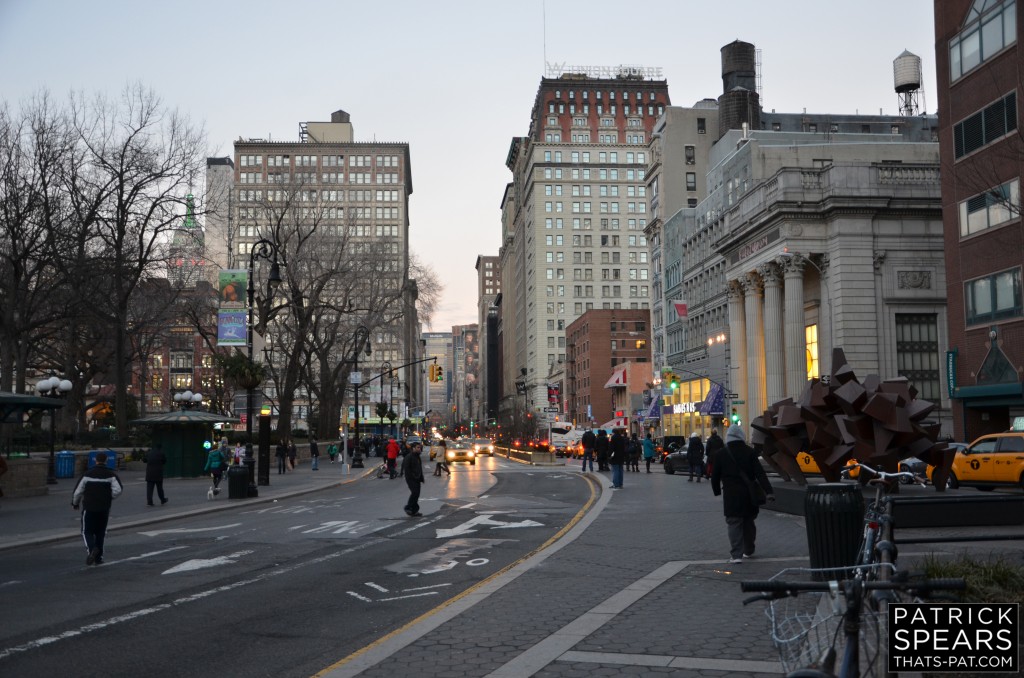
x: 804, y: 627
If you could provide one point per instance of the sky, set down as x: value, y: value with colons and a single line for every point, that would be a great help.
x: 455, y: 79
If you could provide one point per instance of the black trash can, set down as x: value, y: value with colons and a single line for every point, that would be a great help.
x: 834, y: 515
x: 238, y: 482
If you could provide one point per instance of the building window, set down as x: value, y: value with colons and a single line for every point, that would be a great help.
x: 985, y: 126
x: 917, y: 352
x: 811, y: 340
x: 691, y: 181
x: 702, y: 126
x: 992, y: 208
x: 994, y: 297
x: 691, y: 155
x: 986, y: 33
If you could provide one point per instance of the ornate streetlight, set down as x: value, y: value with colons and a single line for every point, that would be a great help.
x: 267, y: 250
x: 187, y: 400
x: 54, y: 387
x: 385, y: 368
x: 362, y: 335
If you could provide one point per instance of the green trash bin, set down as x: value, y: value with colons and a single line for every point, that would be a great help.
x: 834, y: 516
x: 238, y: 482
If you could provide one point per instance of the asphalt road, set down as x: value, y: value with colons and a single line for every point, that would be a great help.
x: 282, y: 589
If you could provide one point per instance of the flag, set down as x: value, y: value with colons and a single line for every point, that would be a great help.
x: 680, y: 308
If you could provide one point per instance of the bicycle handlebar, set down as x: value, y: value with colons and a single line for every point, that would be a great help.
x: 790, y: 588
x: 886, y: 475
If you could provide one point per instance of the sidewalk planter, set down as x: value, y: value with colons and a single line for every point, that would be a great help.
x: 834, y: 515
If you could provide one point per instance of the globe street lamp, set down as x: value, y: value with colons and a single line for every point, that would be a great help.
x: 267, y: 250
x: 187, y: 399
x: 362, y: 335
x: 54, y: 387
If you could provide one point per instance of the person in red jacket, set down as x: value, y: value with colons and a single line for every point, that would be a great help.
x: 392, y: 455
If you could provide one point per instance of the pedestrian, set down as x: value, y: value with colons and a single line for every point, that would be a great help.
x: 293, y: 452
x: 332, y: 451
x: 314, y: 454
x: 734, y: 468
x: 601, y: 450
x: 392, y: 457
x: 281, y: 453
x: 96, y: 490
x: 695, y: 457
x: 711, y: 448
x: 648, y: 446
x: 634, y: 450
x: 412, y: 469
x: 441, y: 457
x: 155, y: 461
x: 617, y: 457
x: 239, y: 452
x: 216, y: 462
x: 589, y: 440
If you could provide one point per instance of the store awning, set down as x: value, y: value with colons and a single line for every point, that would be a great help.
x: 654, y: 411
x: 715, y: 402
x: 617, y: 422
x: 618, y: 378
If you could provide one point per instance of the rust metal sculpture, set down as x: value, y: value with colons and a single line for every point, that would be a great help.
x: 875, y: 421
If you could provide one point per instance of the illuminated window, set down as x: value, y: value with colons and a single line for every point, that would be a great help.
x: 811, y: 339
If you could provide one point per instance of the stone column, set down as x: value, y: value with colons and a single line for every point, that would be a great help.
x: 753, y: 297
x: 736, y: 379
x: 796, y: 339
x: 774, y: 358
x: 826, y: 331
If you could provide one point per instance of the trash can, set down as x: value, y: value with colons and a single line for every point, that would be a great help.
x: 65, y: 464
x: 238, y: 482
x: 834, y: 515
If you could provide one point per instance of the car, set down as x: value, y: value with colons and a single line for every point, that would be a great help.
x: 915, y: 466
x: 676, y: 460
x: 460, y: 450
x: 482, y: 446
x: 993, y: 460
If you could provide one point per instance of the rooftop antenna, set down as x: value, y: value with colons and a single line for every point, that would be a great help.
x: 544, y: 20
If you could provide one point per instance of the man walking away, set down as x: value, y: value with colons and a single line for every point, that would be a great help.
x: 695, y: 456
x: 281, y: 453
x: 601, y: 449
x: 734, y: 466
x: 711, y: 449
x: 617, y: 457
x: 393, y: 449
x: 412, y: 469
x: 648, y: 445
x: 589, y: 441
x: 96, y: 490
x: 155, y: 461
x: 314, y: 454
x: 634, y: 450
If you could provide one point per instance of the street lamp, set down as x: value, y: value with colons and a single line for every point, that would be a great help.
x: 187, y: 400
x: 385, y: 368
x: 267, y: 250
x: 54, y: 387
x: 362, y: 334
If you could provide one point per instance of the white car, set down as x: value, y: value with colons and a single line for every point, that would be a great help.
x: 483, y: 446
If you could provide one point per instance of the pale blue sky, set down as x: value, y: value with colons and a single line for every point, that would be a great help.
x: 456, y: 79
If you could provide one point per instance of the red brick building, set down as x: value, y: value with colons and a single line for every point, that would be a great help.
x: 597, y: 343
x: 978, y: 68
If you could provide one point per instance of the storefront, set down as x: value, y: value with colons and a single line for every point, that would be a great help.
x: 682, y: 409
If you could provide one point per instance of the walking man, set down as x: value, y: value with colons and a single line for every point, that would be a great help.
x: 601, y: 449
x: 589, y: 441
x: 617, y: 457
x: 393, y: 449
x: 155, y: 461
x: 732, y: 470
x: 695, y: 457
x: 648, y: 451
x: 412, y: 469
x: 96, y: 490
x: 314, y: 453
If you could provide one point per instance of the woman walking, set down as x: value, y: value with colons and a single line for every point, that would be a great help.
x: 735, y: 467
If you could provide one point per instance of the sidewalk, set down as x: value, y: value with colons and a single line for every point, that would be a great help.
x: 49, y: 517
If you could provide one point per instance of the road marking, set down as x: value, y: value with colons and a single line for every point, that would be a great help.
x: 199, y: 564
x: 356, y: 595
x: 186, y: 530
x: 152, y: 553
x: 481, y: 520
x: 376, y: 586
x: 414, y: 595
x: 444, y: 557
x: 424, y: 588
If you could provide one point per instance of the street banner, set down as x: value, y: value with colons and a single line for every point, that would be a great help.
x: 231, y: 328
x: 232, y: 285
x: 681, y: 309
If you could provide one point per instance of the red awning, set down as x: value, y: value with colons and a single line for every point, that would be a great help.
x: 618, y: 378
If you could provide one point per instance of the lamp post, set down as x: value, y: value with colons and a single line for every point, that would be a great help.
x: 267, y: 250
x: 362, y: 334
x: 187, y: 400
x: 54, y: 387
x: 385, y: 368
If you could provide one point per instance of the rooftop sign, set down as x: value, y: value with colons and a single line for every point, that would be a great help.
x: 557, y: 69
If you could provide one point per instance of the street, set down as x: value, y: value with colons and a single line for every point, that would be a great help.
x: 280, y: 589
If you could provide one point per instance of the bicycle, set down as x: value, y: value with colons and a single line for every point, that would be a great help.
x: 806, y: 636
x: 382, y: 470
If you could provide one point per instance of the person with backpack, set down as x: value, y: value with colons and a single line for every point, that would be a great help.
x: 216, y: 462
x: 648, y: 446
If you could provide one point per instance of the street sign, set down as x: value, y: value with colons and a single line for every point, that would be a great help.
x: 739, y: 402
x: 732, y: 396
x: 355, y: 377
x: 552, y: 410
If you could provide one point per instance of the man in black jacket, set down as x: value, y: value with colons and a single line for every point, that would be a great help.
x: 617, y: 457
x: 155, y: 461
x: 412, y: 469
x: 96, y: 489
x: 735, y: 467
x: 601, y: 448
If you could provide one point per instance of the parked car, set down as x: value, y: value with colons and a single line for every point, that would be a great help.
x: 993, y: 460
x: 676, y: 460
x: 460, y: 450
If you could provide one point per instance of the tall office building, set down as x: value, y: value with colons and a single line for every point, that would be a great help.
x: 488, y: 275
x: 578, y: 205
x: 978, y: 65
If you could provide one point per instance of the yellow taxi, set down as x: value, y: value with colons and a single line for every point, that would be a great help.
x: 808, y: 465
x: 990, y: 461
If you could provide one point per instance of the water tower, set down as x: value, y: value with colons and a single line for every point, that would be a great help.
x: 906, y: 73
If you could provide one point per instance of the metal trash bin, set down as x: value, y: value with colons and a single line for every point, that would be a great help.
x: 64, y: 466
x: 834, y: 516
x: 238, y: 482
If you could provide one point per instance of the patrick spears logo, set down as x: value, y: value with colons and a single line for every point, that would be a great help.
x: 954, y: 637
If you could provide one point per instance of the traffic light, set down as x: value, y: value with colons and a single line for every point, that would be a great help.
x: 672, y: 380
x: 735, y: 418
x: 436, y: 373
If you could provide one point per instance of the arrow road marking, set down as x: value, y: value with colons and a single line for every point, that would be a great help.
x: 199, y: 564
x: 184, y: 530
x: 481, y: 520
